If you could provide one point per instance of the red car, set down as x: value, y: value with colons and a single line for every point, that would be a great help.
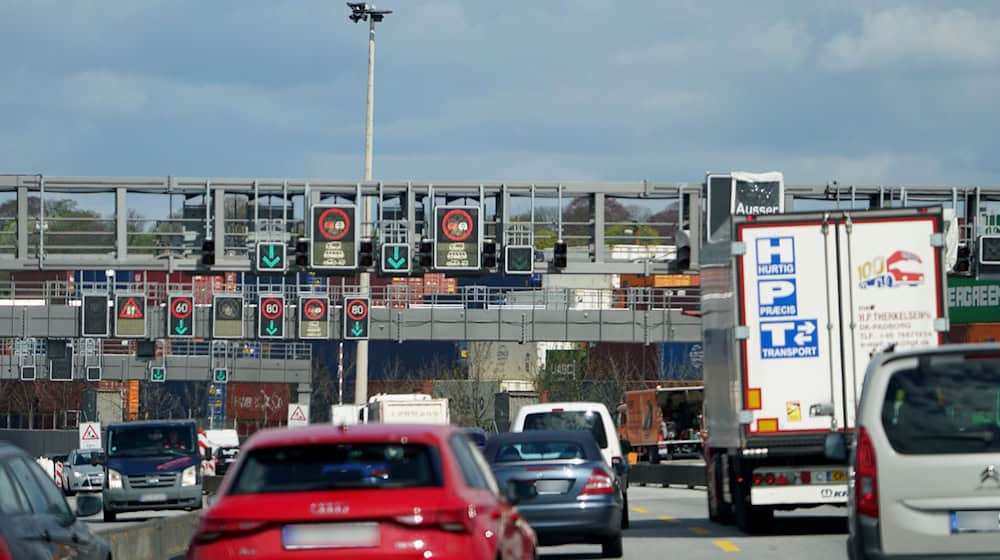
x: 366, y: 491
x: 904, y: 267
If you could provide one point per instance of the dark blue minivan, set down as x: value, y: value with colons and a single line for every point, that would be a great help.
x: 152, y: 465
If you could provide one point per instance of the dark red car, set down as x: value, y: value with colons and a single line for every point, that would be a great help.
x: 367, y: 491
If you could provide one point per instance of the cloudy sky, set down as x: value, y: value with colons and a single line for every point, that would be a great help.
x: 852, y: 90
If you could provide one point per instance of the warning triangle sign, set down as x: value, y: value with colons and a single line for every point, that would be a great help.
x: 130, y: 310
x: 90, y: 434
x: 296, y: 415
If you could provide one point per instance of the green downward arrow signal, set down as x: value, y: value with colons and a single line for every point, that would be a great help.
x: 180, y: 328
x: 271, y: 260
x: 357, y: 330
x: 271, y: 329
x: 519, y: 262
x: 395, y: 261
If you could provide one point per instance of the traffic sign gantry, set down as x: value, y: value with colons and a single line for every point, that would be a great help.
x: 458, y: 238
x: 334, y: 238
x: 271, y: 257
x: 157, y: 374
x: 396, y: 258
x: 130, y: 316
x: 227, y: 316
x: 314, y: 318
x: 220, y: 376
x: 519, y: 259
x: 95, y: 315
x: 180, y: 316
x: 271, y: 317
x: 356, y: 320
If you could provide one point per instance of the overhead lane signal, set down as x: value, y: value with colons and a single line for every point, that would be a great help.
x: 357, y: 319
x: 458, y: 238
x: 314, y: 317
x: 227, y: 316
x: 180, y: 316
x: 519, y: 259
x: 130, y: 316
x: 271, y: 257
x: 334, y: 238
x: 396, y: 258
x: 94, y: 310
x: 271, y: 317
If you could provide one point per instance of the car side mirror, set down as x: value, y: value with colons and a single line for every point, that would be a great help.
x: 626, y: 446
x: 835, y: 446
x: 88, y: 504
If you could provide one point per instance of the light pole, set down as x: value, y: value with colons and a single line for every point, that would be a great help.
x: 361, y: 11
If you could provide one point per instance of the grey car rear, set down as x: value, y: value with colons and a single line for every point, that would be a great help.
x: 565, y: 489
x: 925, y: 478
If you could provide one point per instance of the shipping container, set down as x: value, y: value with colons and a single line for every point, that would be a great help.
x: 263, y: 402
x: 682, y: 360
x: 974, y: 332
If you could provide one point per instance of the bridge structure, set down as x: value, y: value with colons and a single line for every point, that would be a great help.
x: 271, y: 228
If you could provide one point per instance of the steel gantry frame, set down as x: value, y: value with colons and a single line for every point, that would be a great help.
x: 36, y: 233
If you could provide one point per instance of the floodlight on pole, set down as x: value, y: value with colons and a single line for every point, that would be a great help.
x: 362, y: 11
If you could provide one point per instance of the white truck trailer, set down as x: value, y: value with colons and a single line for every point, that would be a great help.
x: 793, y: 306
x: 411, y: 408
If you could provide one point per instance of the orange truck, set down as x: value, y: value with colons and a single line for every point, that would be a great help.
x: 663, y: 423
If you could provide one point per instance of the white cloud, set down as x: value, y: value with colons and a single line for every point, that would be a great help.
x: 910, y: 34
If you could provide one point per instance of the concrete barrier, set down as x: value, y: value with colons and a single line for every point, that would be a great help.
x: 164, y: 538
x: 668, y: 474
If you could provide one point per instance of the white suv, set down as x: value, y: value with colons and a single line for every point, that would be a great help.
x: 590, y: 416
x: 925, y: 477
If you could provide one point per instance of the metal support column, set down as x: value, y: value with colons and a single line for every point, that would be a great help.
x: 22, y: 223
x: 599, y: 229
x: 219, y: 224
x: 694, y: 227
x: 121, y: 224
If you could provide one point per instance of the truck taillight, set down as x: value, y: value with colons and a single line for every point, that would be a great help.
x: 866, y: 476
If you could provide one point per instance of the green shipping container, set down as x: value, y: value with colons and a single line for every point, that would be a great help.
x: 973, y: 301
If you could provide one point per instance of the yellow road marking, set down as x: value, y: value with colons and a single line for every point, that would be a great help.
x: 640, y: 510
x: 727, y: 546
x: 666, y: 518
x: 698, y: 530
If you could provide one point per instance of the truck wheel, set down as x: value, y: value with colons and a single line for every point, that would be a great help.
x: 718, y: 510
x: 110, y: 516
x: 750, y: 519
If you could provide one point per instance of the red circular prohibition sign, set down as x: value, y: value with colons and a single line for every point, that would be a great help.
x: 263, y: 308
x: 331, y: 214
x: 313, y: 309
x: 461, y: 214
x: 181, y: 314
x: 364, y: 309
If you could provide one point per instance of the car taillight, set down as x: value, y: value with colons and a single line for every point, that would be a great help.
x: 600, y: 482
x: 866, y: 476
x: 212, y: 530
x: 451, y: 520
x: 4, y: 551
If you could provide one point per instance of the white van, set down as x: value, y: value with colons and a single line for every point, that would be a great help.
x: 591, y: 416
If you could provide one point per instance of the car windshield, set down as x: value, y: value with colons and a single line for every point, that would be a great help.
x: 336, y: 467
x: 944, y: 408
x: 538, y: 451
x: 151, y: 441
x: 85, y: 457
x: 569, y: 420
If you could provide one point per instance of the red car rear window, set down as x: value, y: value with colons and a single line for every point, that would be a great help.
x: 338, y: 467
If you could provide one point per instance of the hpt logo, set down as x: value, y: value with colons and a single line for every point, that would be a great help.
x: 901, y: 268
